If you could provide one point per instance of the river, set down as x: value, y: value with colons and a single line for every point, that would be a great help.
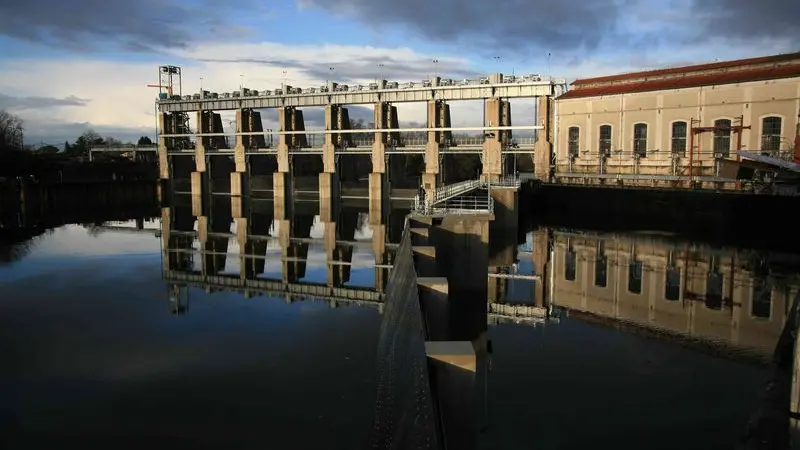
x: 653, y: 340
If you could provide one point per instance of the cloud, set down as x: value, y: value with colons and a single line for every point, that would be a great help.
x: 524, y: 29
x: 39, y: 131
x: 145, y: 25
x: 495, y: 26
x: 315, y: 117
x: 350, y: 63
x: 10, y: 103
x: 749, y: 20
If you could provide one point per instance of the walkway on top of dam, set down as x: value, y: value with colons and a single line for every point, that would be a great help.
x: 463, y: 198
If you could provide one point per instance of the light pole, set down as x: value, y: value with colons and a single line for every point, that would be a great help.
x: 380, y: 70
x: 241, y: 82
x: 201, y: 85
x: 284, y: 78
x: 434, y: 66
x: 331, y: 71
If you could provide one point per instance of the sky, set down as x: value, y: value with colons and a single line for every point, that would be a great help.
x: 66, y: 66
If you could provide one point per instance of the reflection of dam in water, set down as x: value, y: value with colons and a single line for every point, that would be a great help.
x: 721, y: 299
x: 310, y: 260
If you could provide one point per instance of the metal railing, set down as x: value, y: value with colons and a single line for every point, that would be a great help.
x: 452, y: 199
x: 453, y: 190
x: 458, y: 206
x: 512, y: 181
x: 124, y: 148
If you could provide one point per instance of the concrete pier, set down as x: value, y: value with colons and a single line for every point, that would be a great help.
x: 282, y: 189
x: 450, y: 257
x: 497, y: 113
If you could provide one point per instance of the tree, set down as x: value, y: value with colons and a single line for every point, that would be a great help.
x: 66, y: 147
x: 144, y: 141
x: 359, y: 124
x: 11, y: 131
x: 85, y: 142
x: 47, y: 149
x: 110, y: 141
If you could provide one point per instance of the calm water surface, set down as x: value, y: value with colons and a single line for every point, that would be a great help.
x: 105, y: 344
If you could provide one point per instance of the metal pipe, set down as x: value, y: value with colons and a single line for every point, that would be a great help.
x: 691, y: 152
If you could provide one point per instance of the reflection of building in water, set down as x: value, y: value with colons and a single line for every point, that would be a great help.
x: 738, y: 297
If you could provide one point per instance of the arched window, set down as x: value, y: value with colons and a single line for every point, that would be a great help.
x: 570, y: 263
x: 679, y: 137
x: 573, y: 141
x: 640, y: 139
x: 601, y: 266
x: 672, y: 280
x: 604, y: 144
x: 714, y: 282
x: 722, y: 137
x: 635, y: 274
x: 762, y: 298
x: 771, y: 134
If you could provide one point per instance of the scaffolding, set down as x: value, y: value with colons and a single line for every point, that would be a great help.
x: 737, y: 126
x: 169, y: 83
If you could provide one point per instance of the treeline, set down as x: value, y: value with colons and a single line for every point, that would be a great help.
x: 88, y: 140
x: 12, y: 136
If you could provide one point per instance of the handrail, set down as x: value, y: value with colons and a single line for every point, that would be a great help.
x: 446, y: 198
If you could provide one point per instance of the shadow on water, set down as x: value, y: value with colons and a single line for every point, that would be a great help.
x: 244, y: 324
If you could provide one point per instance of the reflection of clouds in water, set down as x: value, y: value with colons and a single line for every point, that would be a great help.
x: 76, y: 240
x: 364, y: 231
x: 116, y: 311
x: 317, y: 228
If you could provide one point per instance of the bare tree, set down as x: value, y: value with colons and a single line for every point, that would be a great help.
x: 85, y: 142
x: 11, y: 131
x: 110, y: 141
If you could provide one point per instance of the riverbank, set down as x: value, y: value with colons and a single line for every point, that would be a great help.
x: 25, y: 167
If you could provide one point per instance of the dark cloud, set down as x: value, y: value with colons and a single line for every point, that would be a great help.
x: 365, y: 68
x: 748, y: 19
x: 87, y: 24
x: 500, y: 26
x: 21, y: 103
x: 391, y: 69
x: 517, y: 29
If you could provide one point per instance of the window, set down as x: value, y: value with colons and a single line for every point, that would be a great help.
x: 635, y: 272
x: 722, y: 137
x: 762, y: 298
x: 570, y: 262
x: 679, y: 137
x: 672, y: 291
x: 771, y: 134
x: 574, y: 140
x: 604, y: 145
x: 601, y: 266
x: 672, y: 282
x: 714, y: 285
x: 640, y: 139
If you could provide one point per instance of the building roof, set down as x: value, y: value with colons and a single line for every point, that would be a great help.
x: 726, y: 72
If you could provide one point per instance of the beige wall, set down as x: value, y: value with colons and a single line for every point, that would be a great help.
x: 753, y: 101
x: 689, y: 315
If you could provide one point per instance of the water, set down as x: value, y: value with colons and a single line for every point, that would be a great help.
x: 106, y: 342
